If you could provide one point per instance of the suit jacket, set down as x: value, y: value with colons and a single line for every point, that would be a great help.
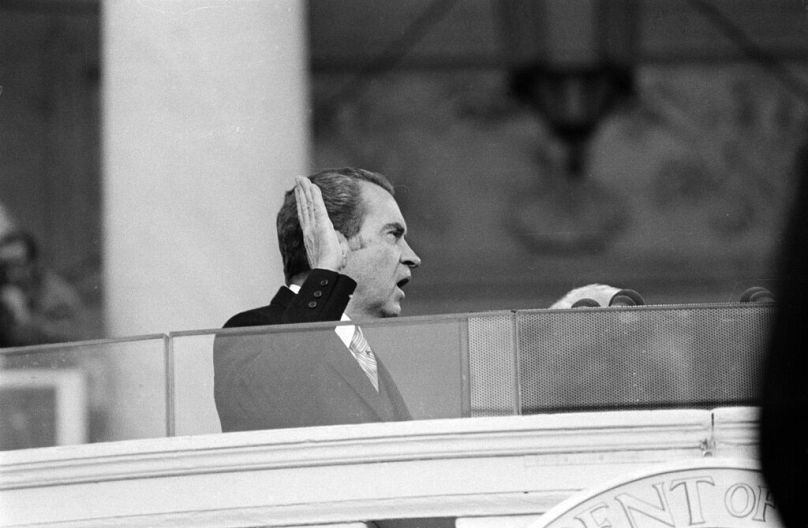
x: 280, y: 378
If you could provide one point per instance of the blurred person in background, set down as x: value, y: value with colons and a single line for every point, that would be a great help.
x: 36, y: 305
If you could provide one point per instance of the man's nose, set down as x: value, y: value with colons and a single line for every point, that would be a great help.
x: 409, y: 258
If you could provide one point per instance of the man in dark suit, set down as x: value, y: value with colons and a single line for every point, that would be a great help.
x: 342, y: 239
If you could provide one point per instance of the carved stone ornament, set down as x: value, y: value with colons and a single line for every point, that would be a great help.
x: 713, y: 493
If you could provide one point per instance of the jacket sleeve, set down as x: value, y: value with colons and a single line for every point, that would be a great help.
x: 322, y: 297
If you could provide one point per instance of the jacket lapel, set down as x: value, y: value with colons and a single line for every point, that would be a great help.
x: 399, y: 407
x: 344, y: 364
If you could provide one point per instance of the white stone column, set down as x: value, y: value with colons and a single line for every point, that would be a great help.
x: 205, y: 124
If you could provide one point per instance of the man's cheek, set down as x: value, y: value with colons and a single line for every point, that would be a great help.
x: 384, y: 260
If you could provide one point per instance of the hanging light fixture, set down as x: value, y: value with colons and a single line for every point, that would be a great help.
x: 573, y: 65
x: 573, y: 62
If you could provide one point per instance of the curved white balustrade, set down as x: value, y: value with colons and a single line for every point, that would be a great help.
x: 505, y: 470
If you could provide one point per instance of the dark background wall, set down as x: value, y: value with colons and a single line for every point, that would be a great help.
x: 50, y: 135
x: 681, y: 195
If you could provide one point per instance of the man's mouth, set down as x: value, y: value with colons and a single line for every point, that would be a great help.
x: 402, y: 283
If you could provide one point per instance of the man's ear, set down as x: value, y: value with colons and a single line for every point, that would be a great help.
x: 353, y: 243
x: 345, y: 246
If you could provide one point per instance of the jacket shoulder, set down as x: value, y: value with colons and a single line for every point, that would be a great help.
x: 265, y: 315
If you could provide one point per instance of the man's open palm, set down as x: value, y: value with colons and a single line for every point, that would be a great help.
x: 326, y: 248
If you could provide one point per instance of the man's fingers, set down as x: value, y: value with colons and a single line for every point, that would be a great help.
x: 303, y: 201
x: 318, y: 209
x: 299, y: 202
x: 315, y: 209
x: 304, y: 218
x: 325, y: 247
x: 343, y: 243
x: 344, y: 247
x: 307, y: 186
x: 302, y: 208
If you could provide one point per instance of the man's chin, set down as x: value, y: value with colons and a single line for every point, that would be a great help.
x: 391, y: 310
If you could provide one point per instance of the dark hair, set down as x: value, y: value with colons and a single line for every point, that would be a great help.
x: 27, y: 239
x: 343, y: 201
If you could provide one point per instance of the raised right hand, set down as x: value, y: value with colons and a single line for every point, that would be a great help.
x: 326, y: 248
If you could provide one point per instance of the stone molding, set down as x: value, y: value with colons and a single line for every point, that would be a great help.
x: 459, y: 467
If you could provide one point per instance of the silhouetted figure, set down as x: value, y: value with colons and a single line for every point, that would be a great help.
x: 783, y: 446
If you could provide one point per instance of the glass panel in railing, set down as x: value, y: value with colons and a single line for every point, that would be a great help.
x: 643, y: 356
x: 192, y: 407
x: 320, y: 374
x: 82, y: 392
x: 492, y: 364
x: 427, y: 359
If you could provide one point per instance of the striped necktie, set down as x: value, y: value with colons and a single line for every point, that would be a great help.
x: 364, y: 355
